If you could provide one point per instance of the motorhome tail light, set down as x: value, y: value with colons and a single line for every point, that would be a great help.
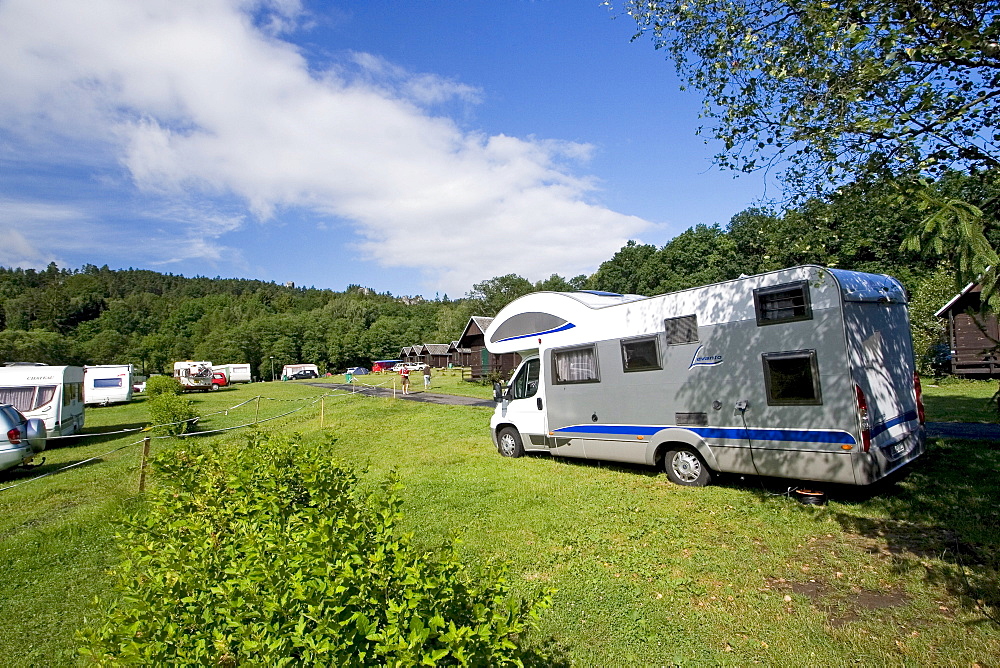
x: 920, y: 397
x: 866, y: 429
x: 14, y: 436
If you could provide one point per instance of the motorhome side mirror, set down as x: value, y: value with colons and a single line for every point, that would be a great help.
x: 497, y: 392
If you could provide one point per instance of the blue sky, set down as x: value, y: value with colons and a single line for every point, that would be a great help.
x: 412, y: 147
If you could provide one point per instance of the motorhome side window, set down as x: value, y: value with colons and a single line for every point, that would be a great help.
x: 577, y: 365
x: 792, y: 378
x: 782, y: 303
x: 681, y: 330
x: 526, y: 383
x: 640, y: 354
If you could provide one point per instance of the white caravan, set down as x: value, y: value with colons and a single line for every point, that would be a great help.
x: 54, y: 394
x: 235, y: 373
x: 289, y: 369
x: 194, y: 376
x: 105, y: 384
x: 803, y: 373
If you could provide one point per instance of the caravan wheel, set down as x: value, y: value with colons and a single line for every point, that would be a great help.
x: 684, y: 466
x: 509, y: 442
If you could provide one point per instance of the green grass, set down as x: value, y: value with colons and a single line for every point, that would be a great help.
x: 443, y: 381
x: 647, y: 572
x: 960, y: 400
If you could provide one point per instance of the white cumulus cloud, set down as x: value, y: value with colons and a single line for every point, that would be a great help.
x: 201, y: 99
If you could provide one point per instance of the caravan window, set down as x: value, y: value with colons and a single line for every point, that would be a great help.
x: 681, y: 330
x: 577, y: 365
x: 526, y: 383
x: 641, y: 355
x: 107, y: 382
x: 21, y: 398
x: 783, y: 303
x: 792, y: 378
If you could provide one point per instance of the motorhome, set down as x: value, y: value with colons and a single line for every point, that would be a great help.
x: 804, y: 373
x: 290, y: 370
x: 194, y: 376
x: 54, y: 394
x: 235, y: 373
x: 105, y: 384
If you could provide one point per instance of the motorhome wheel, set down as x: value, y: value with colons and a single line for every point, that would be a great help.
x: 684, y: 466
x: 509, y: 442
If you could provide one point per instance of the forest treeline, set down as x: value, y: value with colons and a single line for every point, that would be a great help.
x: 96, y: 315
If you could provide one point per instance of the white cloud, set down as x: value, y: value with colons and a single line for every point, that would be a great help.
x: 200, y: 98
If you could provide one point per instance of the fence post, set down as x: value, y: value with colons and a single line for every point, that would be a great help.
x: 256, y: 415
x: 322, y: 407
x: 142, y: 466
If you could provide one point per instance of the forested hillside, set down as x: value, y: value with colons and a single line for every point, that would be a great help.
x: 98, y: 316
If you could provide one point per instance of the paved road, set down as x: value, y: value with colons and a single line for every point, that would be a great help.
x: 969, y: 430
x: 426, y: 397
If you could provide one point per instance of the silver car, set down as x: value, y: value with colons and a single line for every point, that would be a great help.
x: 20, y: 438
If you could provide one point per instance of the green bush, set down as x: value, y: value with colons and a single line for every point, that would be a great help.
x: 157, y: 385
x: 278, y: 557
x: 173, y: 413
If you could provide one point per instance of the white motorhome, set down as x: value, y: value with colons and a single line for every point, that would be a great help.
x: 194, y: 376
x: 235, y: 373
x: 105, y: 384
x: 804, y: 373
x: 54, y: 394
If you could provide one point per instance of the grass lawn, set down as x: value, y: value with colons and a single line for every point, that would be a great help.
x: 443, y: 381
x: 648, y: 573
x: 960, y: 400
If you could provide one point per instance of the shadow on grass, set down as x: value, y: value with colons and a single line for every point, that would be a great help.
x: 960, y: 409
x: 943, y: 521
x: 34, y: 470
x: 92, y: 435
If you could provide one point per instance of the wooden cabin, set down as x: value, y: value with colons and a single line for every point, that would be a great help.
x: 481, y: 361
x: 973, y: 337
x: 434, y: 355
x: 459, y: 356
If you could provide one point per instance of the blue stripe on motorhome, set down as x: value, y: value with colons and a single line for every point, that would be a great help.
x: 730, y: 433
x: 883, y: 427
x: 568, y: 325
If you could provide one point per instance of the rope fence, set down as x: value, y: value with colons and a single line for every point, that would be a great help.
x: 309, y: 401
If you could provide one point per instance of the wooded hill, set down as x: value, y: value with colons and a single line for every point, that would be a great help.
x: 95, y: 315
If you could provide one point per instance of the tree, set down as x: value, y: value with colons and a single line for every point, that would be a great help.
x: 497, y: 292
x: 835, y: 91
x: 840, y: 88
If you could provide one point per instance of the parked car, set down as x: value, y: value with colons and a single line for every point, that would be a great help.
x: 20, y: 438
x: 219, y: 380
x: 307, y: 373
x: 139, y: 387
x: 358, y: 371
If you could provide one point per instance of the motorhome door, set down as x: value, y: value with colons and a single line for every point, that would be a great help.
x: 525, y: 404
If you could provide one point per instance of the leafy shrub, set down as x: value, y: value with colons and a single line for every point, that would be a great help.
x: 157, y: 385
x: 277, y: 557
x: 172, y: 412
x: 494, y: 377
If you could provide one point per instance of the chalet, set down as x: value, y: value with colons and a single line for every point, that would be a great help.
x: 459, y: 356
x: 434, y: 355
x: 482, y: 361
x: 973, y: 336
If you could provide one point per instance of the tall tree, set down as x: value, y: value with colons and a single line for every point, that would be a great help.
x: 833, y: 91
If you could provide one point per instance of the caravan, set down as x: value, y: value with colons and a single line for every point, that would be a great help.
x: 235, y: 373
x: 53, y: 394
x: 803, y: 373
x: 105, y: 384
x: 194, y: 376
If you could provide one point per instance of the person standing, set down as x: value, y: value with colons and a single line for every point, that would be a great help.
x: 427, y: 376
x: 405, y: 373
